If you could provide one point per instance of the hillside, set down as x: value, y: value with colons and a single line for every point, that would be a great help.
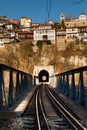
x: 24, y: 56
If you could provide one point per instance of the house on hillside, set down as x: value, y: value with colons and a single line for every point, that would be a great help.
x: 45, y: 33
x: 25, y: 22
x: 24, y: 36
x: 77, y: 28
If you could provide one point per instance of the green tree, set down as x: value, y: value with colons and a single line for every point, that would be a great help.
x: 62, y: 24
x: 56, y: 26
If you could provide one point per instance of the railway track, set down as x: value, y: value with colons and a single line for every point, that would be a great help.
x: 29, y: 116
x: 45, y: 112
x: 34, y: 117
x: 69, y: 116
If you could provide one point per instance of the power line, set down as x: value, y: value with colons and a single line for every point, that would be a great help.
x: 48, y: 9
x: 3, y: 10
x: 78, y: 2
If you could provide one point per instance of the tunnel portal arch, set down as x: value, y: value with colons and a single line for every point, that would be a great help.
x: 43, y: 76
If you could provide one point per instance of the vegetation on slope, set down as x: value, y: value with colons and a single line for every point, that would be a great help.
x: 22, y: 56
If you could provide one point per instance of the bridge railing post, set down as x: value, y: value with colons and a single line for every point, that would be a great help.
x: 80, y: 89
x: 63, y: 86
x: 1, y: 85
x: 11, y: 87
x: 22, y: 84
x: 60, y: 83
x: 29, y: 83
x: 17, y: 91
x: 86, y: 97
x: 73, y: 89
x: 57, y: 82
x: 67, y: 85
x: 25, y: 84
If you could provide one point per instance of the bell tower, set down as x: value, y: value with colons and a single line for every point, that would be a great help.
x: 62, y: 16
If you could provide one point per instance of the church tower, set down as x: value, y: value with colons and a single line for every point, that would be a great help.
x: 62, y: 17
x: 82, y: 16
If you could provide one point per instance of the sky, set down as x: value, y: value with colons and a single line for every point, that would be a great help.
x: 42, y: 10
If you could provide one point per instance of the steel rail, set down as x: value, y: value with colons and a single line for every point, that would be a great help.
x: 39, y: 101
x: 37, y: 112
x: 43, y: 113
x: 74, y: 122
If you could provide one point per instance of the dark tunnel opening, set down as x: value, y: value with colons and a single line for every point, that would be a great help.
x: 43, y: 76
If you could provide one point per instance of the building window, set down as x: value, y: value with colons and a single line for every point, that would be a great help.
x: 84, y: 29
x: 21, y: 36
x: 44, y: 37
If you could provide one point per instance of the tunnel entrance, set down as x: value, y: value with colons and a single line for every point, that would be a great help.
x: 43, y: 76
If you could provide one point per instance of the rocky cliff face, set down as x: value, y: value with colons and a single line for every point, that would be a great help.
x: 25, y: 56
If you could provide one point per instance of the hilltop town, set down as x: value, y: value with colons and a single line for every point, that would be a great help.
x: 23, y: 30
x: 64, y: 42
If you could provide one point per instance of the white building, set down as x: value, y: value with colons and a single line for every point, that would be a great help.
x: 25, y: 22
x: 77, y: 28
x: 79, y: 32
x: 44, y: 33
x: 41, y: 34
x: 72, y: 32
x: 82, y: 16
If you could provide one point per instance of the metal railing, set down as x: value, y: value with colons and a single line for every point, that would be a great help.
x: 13, y: 85
x: 73, y: 83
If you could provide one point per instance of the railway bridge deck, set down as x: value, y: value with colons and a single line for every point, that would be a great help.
x: 70, y: 86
